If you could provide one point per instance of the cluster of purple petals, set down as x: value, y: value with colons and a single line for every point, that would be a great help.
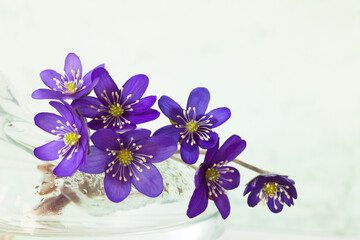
x: 114, y: 108
x: 128, y: 159
x: 72, y: 140
x: 213, y: 178
x: 71, y: 85
x: 192, y: 125
x: 127, y: 156
x: 119, y: 109
x: 274, y: 190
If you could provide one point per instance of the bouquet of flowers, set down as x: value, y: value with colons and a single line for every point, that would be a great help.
x: 99, y: 135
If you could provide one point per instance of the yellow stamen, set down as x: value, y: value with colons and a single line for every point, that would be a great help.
x: 116, y: 110
x: 125, y: 157
x: 71, y: 87
x: 192, y: 126
x: 212, y: 174
x: 71, y: 138
x: 270, y: 189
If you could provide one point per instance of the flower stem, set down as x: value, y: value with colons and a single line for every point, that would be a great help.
x: 181, y: 161
x: 248, y: 166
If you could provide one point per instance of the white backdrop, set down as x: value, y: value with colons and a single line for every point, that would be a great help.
x: 288, y: 70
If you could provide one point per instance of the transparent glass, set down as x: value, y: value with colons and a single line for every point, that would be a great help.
x: 34, y: 203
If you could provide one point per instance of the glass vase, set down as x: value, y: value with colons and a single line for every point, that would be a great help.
x: 34, y: 203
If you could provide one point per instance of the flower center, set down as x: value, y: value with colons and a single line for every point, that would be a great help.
x: 71, y: 87
x: 71, y: 138
x: 125, y: 157
x: 192, y: 126
x: 212, y: 174
x: 270, y: 189
x: 116, y: 110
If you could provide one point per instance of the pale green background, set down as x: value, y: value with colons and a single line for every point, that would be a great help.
x: 289, y: 71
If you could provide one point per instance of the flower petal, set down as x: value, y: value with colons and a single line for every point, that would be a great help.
x: 253, y: 198
x: 170, y: 108
x: 105, y: 85
x: 85, y: 91
x: 87, y: 106
x: 68, y: 166
x: 48, y: 94
x: 189, y: 154
x: 274, y: 205
x: 48, y: 121
x: 289, y: 185
x: 219, y: 116
x: 159, y: 147
x: 125, y: 128
x: 169, y: 131
x: 64, y: 111
x: 84, y: 133
x: 69, y: 114
x: 250, y: 186
x: 106, y: 139
x: 289, y: 180
x: 200, y: 176
x: 206, y: 144
x: 117, y: 190
x: 88, y: 85
x: 49, y: 151
x: 72, y: 66
x: 210, y: 153
x: 288, y: 200
x: 261, y: 180
x: 135, y: 135
x: 48, y: 77
x: 230, y: 177
x: 292, y: 191
x: 149, y: 181
x: 143, y: 104
x: 136, y: 87
x: 199, y: 99
x: 99, y: 124
x: 233, y: 146
x: 198, y: 202
x: 96, y: 162
x: 146, y: 116
x: 88, y: 79
x: 223, y: 205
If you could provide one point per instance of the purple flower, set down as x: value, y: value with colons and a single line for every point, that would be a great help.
x: 213, y: 178
x: 192, y: 125
x: 72, y: 142
x: 275, y: 190
x: 71, y: 85
x: 128, y: 159
x: 116, y: 108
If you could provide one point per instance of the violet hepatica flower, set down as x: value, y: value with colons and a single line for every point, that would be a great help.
x: 213, y: 178
x: 72, y: 143
x: 128, y: 159
x: 116, y: 108
x: 192, y: 125
x: 71, y: 85
x: 275, y: 190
